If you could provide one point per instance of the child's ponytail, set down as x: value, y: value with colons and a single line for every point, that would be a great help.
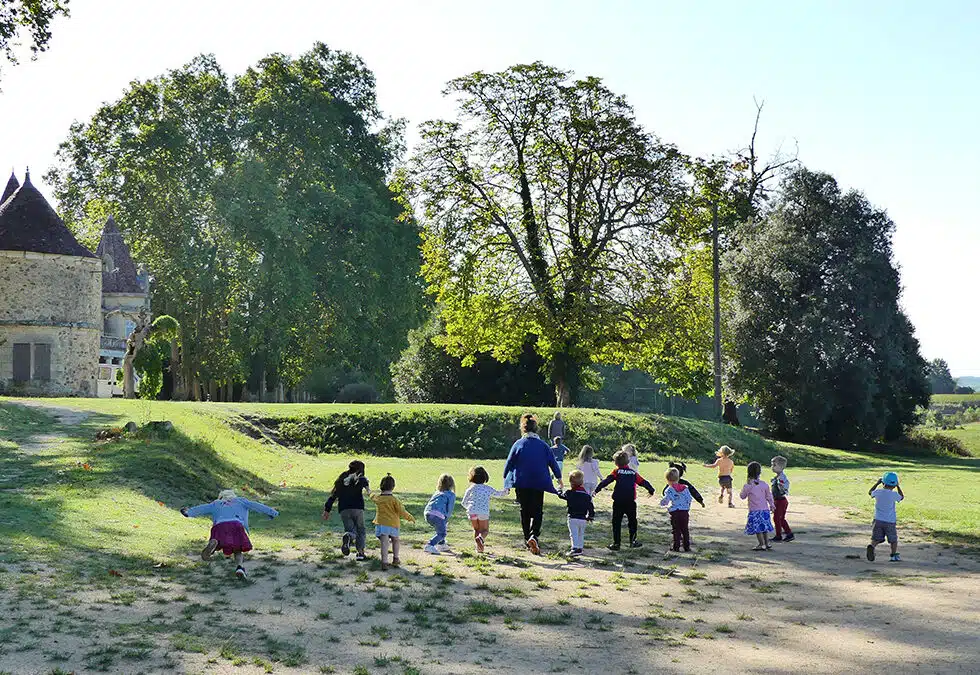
x: 387, y: 483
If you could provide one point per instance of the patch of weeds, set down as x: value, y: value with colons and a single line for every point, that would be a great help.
x: 529, y: 575
x: 512, y: 624
x: 551, y: 618
x: 691, y: 633
x: 101, y: 658
x: 382, y: 605
x: 361, y: 670
x: 187, y: 643
x: 323, y: 616
x: 382, y: 632
x: 483, y: 608
x: 263, y: 664
x: 744, y: 617
x: 724, y: 628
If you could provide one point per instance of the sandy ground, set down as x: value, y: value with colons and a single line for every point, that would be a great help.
x: 813, y: 605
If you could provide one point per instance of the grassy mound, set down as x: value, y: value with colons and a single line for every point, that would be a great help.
x: 488, y: 432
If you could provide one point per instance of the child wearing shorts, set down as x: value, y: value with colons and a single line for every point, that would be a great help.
x: 725, y: 466
x: 476, y: 499
x: 884, y: 526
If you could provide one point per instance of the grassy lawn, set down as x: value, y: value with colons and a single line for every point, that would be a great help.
x: 126, y: 503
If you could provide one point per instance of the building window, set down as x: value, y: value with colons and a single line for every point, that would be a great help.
x: 32, y: 362
x: 42, y: 362
x: 22, y: 361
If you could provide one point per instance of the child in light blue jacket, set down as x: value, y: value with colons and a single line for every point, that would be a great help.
x: 438, y: 512
x: 229, y: 529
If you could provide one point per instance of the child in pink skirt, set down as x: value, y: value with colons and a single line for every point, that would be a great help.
x: 760, y: 505
x: 229, y: 531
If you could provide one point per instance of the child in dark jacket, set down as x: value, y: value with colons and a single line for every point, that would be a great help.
x: 348, y: 492
x: 624, y: 497
x: 677, y: 499
x: 580, y: 511
x: 681, y: 468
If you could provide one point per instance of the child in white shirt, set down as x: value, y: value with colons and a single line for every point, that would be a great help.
x: 476, y: 499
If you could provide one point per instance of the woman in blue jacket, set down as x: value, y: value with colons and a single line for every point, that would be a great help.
x: 528, y: 465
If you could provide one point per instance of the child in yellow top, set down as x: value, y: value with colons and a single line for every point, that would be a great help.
x: 388, y: 520
x: 725, y: 466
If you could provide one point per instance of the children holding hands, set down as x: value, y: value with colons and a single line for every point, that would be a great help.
x: 886, y: 518
x: 760, y: 504
x: 438, y: 512
x: 476, y: 499
x: 348, y: 491
x: 624, y: 497
x: 780, y: 494
x: 677, y: 499
x: 580, y: 511
x: 388, y: 519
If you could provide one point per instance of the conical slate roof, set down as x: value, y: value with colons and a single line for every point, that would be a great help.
x: 11, y: 188
x: 28, y: 223
x: 122, y: 278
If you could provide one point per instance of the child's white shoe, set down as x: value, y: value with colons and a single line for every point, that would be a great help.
x: 429, y: 548
x: 443, y: 548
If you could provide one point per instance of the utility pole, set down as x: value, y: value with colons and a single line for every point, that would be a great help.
x: 715, y: 274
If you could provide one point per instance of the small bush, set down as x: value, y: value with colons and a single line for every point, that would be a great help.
x: 357, y: 392
x: 936, y: 443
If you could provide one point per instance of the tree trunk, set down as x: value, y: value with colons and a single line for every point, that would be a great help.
x: 563, y: 393
x: 177, y: 373
x: 133, y: 344
x: 716, y: 278
x: 262, y: 388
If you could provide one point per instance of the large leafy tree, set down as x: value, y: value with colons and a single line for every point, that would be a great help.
x: 941, y: 381
x: 32, y: 16
x: 548, y: 211
x: 820, y: 342
x: 261, y: 207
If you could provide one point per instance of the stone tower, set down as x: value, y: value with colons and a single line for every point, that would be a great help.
x: 50, y: 300
x: 125, y: 305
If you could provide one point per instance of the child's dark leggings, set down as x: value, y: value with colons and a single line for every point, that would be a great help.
x: 620, y: 509
x: 678, y: 527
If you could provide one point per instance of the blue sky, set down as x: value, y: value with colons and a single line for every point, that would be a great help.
x: 883, y: 95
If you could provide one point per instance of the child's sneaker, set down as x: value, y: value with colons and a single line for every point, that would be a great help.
x: 613, y: 547
x: 431, y: 549
x: 532, y: 544
x: 240, y: 573
x: 721, y: 499
x: 443, y: 548
x: 789, y: 537
x: 730, y: 505
x: 778, y: 537
x: 870, y: 553
x: 396, y: 562
x: 209, y: 549
x: 895, y: 557
x: 345, y: 544
x: 384, y: 567
x: 687, y: 549
x: 360, y: 557
x: 636, y: 544
x: 479, y: 543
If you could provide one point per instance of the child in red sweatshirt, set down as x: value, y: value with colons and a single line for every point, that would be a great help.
x: 624, y: 497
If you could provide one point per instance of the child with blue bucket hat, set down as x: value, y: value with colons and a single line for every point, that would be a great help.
x: 884, y: 526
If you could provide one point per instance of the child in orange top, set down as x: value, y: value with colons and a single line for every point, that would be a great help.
x: 725, y: 466
x: 388, y: 519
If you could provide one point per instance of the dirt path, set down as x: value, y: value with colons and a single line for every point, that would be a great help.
x: 813, y: 605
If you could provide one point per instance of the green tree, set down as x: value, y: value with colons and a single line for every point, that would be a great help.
x: 34, y: 16
x: 160, y: 344
x: 549, y: 212
x: 820, y: 342
x: 425, y: 373
x: 941, y: 381
x: 261, y: 207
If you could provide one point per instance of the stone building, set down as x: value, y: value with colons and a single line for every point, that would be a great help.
x: 50, y: 300
x: 125, y: 304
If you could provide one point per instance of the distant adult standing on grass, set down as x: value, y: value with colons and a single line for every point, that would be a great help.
x: 557, y: 427
x: 530, y: 459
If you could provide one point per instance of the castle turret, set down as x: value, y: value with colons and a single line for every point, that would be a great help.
x: 50, y: 300
x: 125, y: 304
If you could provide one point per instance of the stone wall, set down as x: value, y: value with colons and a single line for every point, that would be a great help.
x: 54, y: 300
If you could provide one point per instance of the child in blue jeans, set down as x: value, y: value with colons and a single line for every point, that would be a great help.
x: 438, y: 512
